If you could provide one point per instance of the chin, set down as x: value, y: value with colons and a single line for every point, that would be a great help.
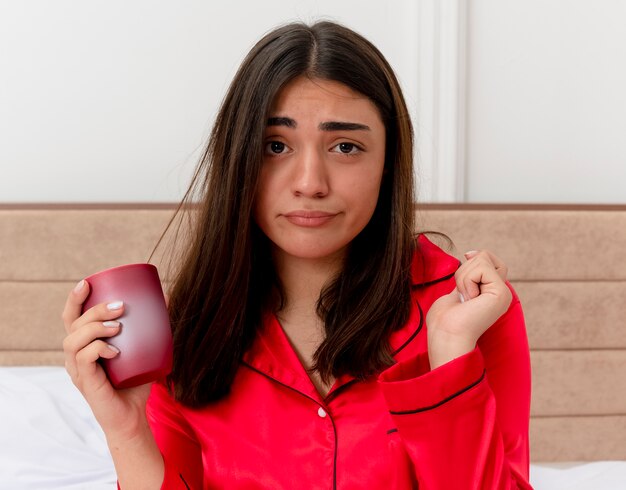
x: 314, y: 251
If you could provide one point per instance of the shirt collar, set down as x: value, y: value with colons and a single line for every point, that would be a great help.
x: 430, y: 263
x: 273, y: 356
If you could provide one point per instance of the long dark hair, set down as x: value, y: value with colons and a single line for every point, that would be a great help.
x: 226, y: 280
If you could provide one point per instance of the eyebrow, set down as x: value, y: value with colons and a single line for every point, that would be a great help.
x: 325, y: 126
x: 282, y: 121
x: 343, y: 126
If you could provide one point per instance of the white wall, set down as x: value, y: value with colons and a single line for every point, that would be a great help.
x: 112, y: 100
x: 546, y: 101
x: 513, y: 101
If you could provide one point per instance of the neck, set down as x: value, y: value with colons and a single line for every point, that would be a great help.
x: 303, y: 280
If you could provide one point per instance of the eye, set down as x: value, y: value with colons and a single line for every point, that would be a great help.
x: 275, y: 147
x: 347, y: 148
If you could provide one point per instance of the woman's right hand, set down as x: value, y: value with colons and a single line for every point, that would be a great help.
x: 120, y: 413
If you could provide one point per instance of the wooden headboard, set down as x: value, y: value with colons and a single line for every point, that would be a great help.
x: 567, y: 263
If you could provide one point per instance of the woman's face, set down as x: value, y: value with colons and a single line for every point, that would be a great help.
x: 324, y: 153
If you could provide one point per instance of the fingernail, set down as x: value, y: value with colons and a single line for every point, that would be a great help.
x: 113, y: 348
x: 111, y: 324
x: 116, y: 305
x: 79, y: 286
x: 461, y: 298
x: 471, y: 252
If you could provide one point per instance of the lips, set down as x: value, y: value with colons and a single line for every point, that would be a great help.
x: 309, y: 219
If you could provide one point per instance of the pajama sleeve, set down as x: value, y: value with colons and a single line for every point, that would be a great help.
x: 465, y: 424
x: 180, y: 450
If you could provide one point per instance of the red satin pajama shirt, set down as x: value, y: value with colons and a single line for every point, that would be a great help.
x: 462, y: 425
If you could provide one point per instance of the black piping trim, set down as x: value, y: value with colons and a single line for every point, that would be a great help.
x: 391, y: 431
x: 445, y: 400
x: 421, y: 323
x: 282, y: 384
x: 406, y: 342
x: 429, y: 283
x: 183, y: 479
x: 333, y: 394
x: 314, y: 401
x: 414, y: 334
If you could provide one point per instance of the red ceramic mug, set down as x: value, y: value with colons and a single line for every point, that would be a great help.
x: 145, y: 337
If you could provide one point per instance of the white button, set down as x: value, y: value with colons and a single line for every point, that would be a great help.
x: 321, y: 412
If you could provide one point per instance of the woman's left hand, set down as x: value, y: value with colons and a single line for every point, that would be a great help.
x: 457, y: 320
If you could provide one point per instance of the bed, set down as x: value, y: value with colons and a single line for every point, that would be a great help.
x: 49, y: 438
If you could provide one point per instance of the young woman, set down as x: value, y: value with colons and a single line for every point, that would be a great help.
x: 317, y: 342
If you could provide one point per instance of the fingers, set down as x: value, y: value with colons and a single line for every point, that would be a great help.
x: 480, y: 274
x: 74, y: 303
x: 85, y: 345
x: 86, y: 358
x: 500, y: 266
x: 99, y: 313
x: 73, y: 316
x: 82, y: 337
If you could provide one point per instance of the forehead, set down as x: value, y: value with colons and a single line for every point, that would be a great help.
x: 323, y: 98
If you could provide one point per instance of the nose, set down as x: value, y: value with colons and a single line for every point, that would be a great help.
x: 310, y: 175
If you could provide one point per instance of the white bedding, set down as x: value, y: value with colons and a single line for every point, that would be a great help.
x: 49, y: 440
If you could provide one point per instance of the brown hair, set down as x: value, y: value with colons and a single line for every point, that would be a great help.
x: 226, y: 279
